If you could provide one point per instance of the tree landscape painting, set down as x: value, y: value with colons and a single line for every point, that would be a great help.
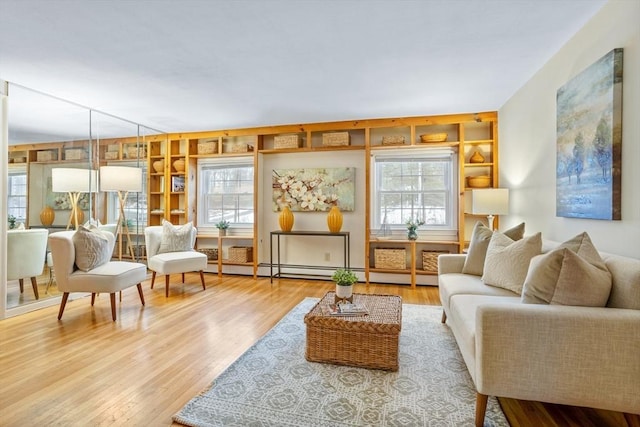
x: 589, y: 142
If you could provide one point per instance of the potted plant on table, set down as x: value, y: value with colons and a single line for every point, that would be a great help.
x: 222, y: 227
x: 344, y: 279
x: 412, y: 228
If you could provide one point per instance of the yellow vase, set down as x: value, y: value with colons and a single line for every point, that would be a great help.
x: 47, y: 215
x: 334, y: 219
x: 80, y: 218
x: 286, y: 219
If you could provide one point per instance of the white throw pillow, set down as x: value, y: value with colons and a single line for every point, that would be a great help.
x: 175, y: 238
x: 92, y: 248
x: 507, y: 261
x: 477, y: 252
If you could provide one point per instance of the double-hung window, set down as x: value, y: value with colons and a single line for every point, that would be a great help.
x: 225, y: 192
x: 418, y: 185
x: 17, y: 194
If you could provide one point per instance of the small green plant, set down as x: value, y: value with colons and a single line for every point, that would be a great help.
x: 413, y: 224
x: 12, y: 222
x: 344, y: 277
x: 223, y: 225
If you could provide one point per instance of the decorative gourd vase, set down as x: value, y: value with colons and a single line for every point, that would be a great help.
x: 286, y: 219
x: 158, y: 166
x: 80, y: 219
x: 344, y: 293
x: 412, y: 234
x: 334, y: 219
x: 477, y: 158
x: 178, y: 165
x: 47, y: 215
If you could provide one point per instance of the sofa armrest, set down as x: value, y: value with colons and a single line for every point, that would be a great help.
x: 451, y: 263
x: 582, y: 356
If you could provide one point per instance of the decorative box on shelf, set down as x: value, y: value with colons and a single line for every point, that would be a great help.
x: 286, y: 141
x: 430, y: 260
x: 46, y: 155
x: 334, y: 139
x: 211, y: 253
x: 207, y: 147
x: 390, y: 258
x: 241, y: 254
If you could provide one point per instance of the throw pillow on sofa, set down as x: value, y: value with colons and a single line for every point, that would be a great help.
x: 175, y: 238
x: 480, y: 237
x: 572, y: 274
x: 92, y: 248
x: 507, y: 261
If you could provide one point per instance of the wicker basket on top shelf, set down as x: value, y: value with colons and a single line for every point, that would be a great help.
x: 208, y: 147
x: 433, y: 137
x: 286, y: 141
x: 335, y: 139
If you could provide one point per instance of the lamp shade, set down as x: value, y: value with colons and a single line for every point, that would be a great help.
x: 70, y: 180
x: 120, y: 178
x: 487, y: 201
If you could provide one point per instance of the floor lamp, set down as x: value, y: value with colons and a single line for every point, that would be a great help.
x: 74, y: 182
x: 487, y: 201
x: 123, y: 180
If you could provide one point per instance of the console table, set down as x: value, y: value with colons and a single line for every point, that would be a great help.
x: 345, y: 235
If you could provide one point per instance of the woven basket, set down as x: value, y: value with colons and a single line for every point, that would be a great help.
x: 239, y: 147
x: 211, y: 253
x: 208, y: 147
x: 393, y: 140
x: 136, y: 152
x: 430, y: 260
x: 286, y: 141
x: 75, y: 154
x: 111, y: 155
x: 241, y: 254
x: 46, y: 156
x: 334, y: 139
x: 434, y: 137
x: 390, y: 258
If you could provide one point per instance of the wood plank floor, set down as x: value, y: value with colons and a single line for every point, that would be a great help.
x: 86, y: 370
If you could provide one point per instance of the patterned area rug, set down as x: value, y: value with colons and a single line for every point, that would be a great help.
x: 272, y: 384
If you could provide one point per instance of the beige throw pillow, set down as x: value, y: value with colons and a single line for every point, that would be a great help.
x: 507, y: 261
x: 175, y: 238
x: 572, y: 274
x: 480, y: 237
x: 92, y: 248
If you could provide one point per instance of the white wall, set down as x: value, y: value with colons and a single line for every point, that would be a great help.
x: 527, y: 130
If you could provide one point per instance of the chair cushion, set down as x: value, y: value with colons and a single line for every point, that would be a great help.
x: 92, y: 248
x: 110, y: 277
x: 177, y: 262
x: 175, y: 238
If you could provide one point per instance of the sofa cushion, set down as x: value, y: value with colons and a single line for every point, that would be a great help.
x: 466, y: 284
x: 572, y: 274
x: 625, y: 289
x: 92, y: 248
x: 480, y: 237
x: 507, y: 261
x: 175, y: 238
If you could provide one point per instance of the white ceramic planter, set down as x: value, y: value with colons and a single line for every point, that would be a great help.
x: 344, y: 291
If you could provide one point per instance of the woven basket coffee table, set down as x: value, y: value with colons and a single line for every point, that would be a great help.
x: 369, y: 341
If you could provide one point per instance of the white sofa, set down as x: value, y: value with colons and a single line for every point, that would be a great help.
x: 580, y: 356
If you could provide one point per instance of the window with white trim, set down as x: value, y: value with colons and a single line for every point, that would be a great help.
x: 418, y: 185
x: 17, y: 194
x: 225, y: 192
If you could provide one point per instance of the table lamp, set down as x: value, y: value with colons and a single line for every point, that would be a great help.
x: 123, y: 180
x: 487, y: 201
x: 74, y: 182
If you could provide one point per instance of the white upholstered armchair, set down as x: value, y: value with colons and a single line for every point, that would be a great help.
x: 26, y: 255
x: 172, y: 261
x: 108, y: 277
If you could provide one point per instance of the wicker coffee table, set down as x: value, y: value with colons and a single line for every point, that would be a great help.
x: 369, y: 341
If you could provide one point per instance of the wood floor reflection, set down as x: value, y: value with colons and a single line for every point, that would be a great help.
x: 46, y: 289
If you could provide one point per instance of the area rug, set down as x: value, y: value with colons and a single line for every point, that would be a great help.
x: 272, y: 384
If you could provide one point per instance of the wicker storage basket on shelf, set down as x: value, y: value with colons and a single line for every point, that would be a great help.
x: 208, y: 147
x: 241, y: 254
x: 239, y: 147
x: 111, y: 155
x: 393, y: 140
x: 433, y: 137
x: 46, y: 156
x: 75, y: 154
x: 430, y: 260
x: 211, y: 253
x: 286, y: 141
x: 390, y: 258
x: 334, y: 139
x: 136, y: 152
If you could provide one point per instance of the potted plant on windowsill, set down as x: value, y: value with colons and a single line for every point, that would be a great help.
x: 344, y: 280
x: 222, y: 227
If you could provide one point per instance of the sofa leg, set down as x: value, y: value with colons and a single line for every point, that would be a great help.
x: 481, y: 408
x: 153, y: 278
x: 113, y: 305
x: 202, y: 280
x: 62, y: 304
x: 444, y: 317
x: 182, y: 277
x: 633, y: 420
x: 140, y: 293
x: 166, y: 285
x: 93, y: 298
x: 21, y: 281
x: 34, y: 284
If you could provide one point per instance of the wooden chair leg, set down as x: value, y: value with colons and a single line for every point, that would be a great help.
x: 21, y: 281
x: 444, y: 317
x: 62, y: 304
x: 202, y: 280
x: 166, y: 285
x: 113, y: 305
x: 120, y: 296
x: 140, y: 293
x: 93, y: 298
x: 633, y: 420
x: 182, y: 277
x: 481, y: 408
x: 153, y: 278
x: 34, y: 284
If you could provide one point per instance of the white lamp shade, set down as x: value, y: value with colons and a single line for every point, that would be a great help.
x: 65, y: 180
x: 487, y: 201
x: 120, y: 178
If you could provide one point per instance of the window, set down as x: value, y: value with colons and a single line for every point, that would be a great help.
x: 17, y: 194
x: 225, y: 192
x: 422, y: 185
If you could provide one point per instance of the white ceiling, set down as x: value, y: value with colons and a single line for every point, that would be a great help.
x: 197, y: 65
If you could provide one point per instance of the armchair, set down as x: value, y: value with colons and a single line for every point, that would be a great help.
x: 26, y: 254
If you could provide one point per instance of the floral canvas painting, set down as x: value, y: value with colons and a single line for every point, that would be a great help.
x: 589, y: 142
x: 61, y: 201
x: 316, y: 189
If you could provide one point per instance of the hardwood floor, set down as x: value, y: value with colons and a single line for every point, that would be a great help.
x: 140, y: 370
